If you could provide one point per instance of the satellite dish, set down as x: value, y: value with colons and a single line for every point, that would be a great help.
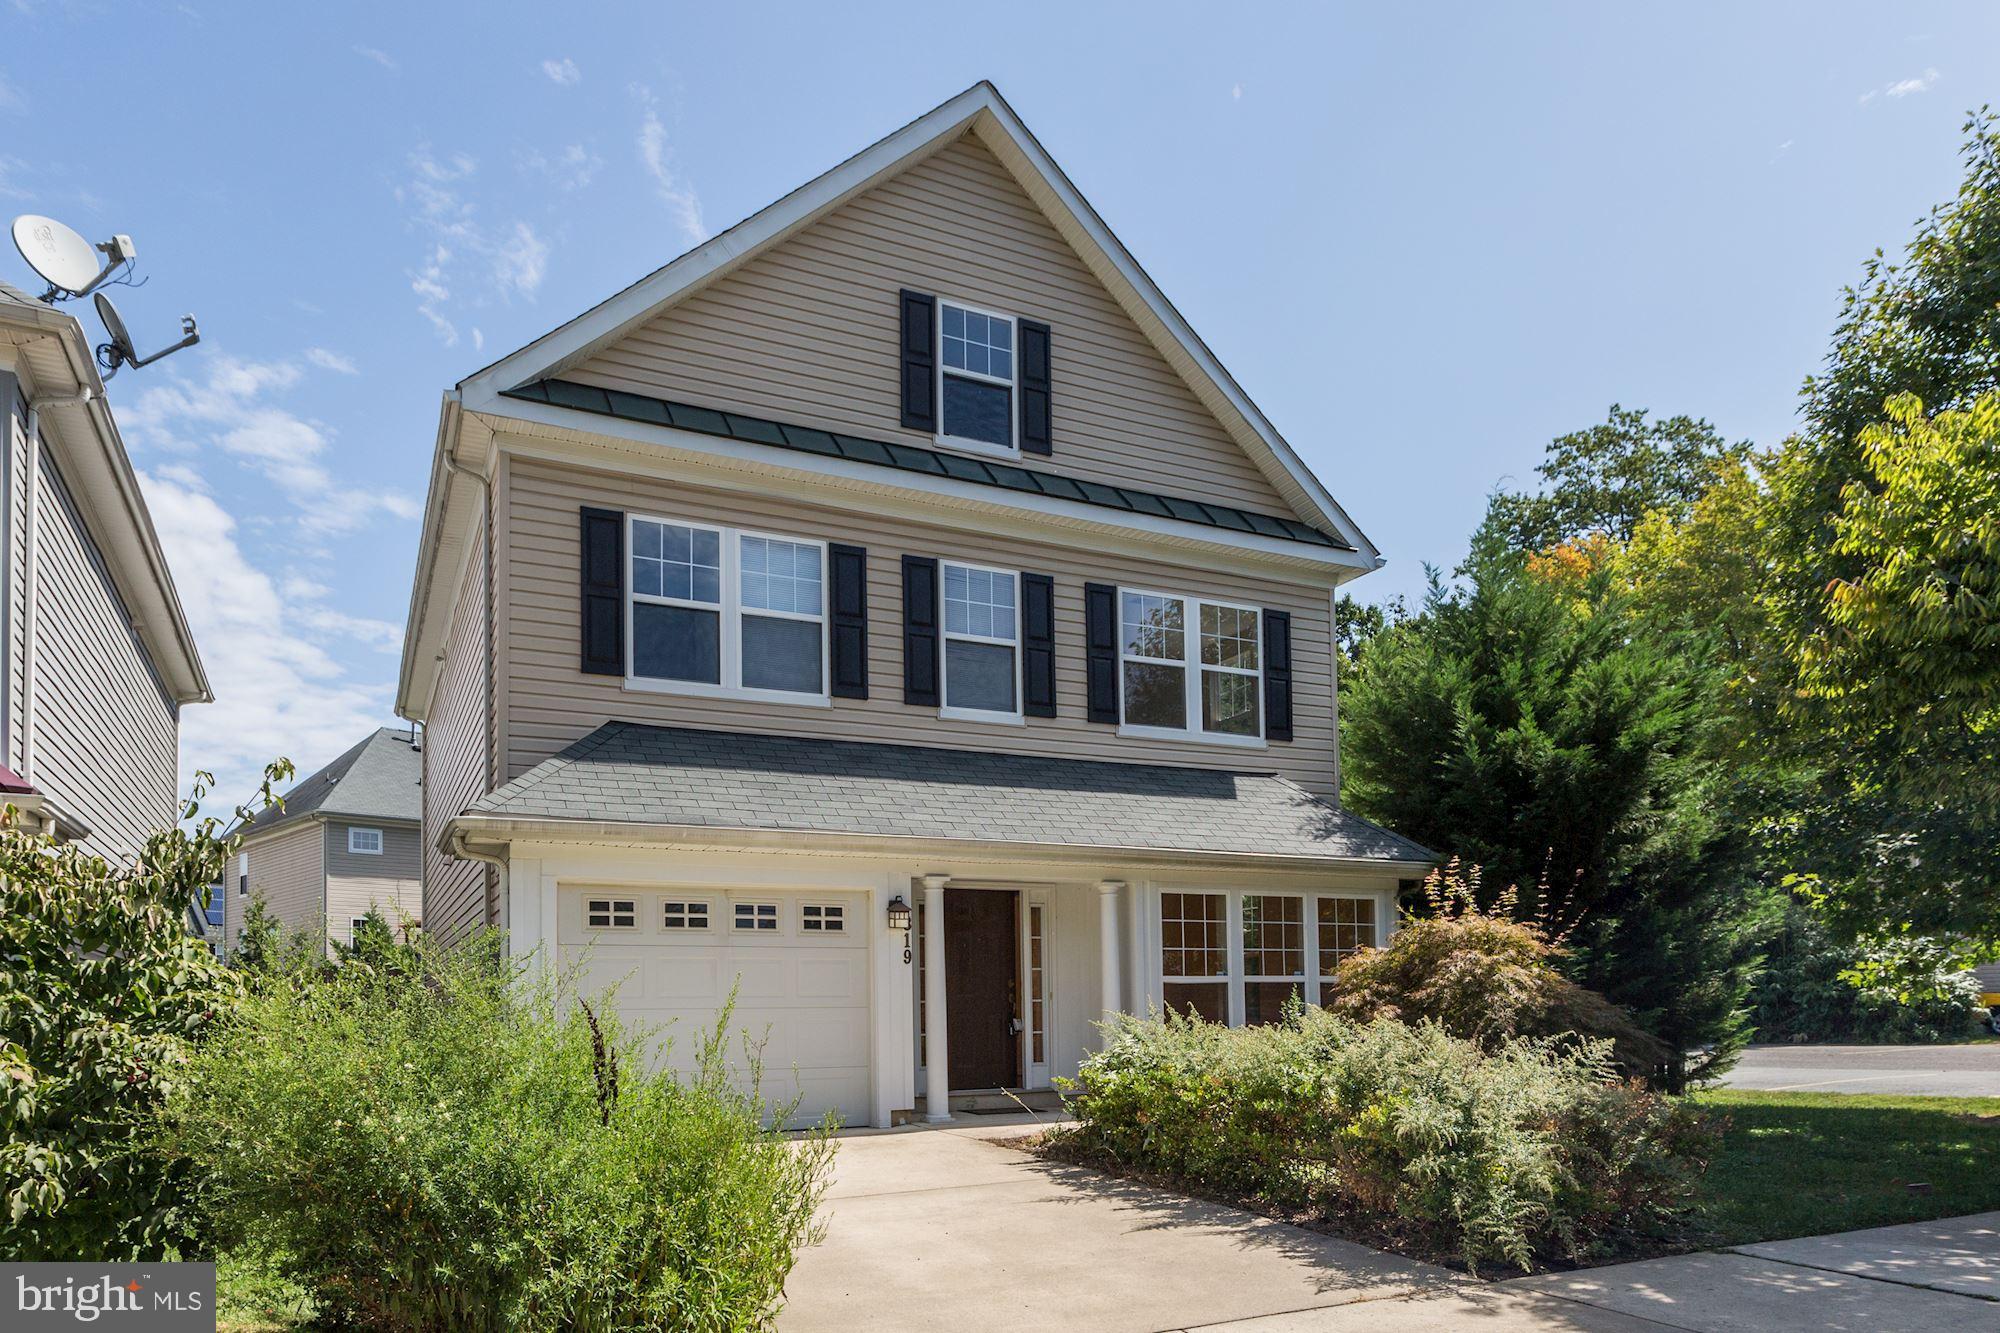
x: 61, y: 257
x: 119, y: 352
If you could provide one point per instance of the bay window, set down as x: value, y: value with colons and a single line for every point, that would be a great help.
x: 720, y: 612
x: 1190, y: 668
x: 1274, y: 954
x: 982, y: 666
x: 1346, y: 926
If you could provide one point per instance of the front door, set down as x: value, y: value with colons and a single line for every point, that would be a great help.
x: 982, y: 964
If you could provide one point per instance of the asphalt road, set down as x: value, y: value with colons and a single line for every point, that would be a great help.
x: 1971, y: 1070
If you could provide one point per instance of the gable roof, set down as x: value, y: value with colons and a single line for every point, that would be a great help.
x: 684, y: 777
x: 379, y: 778
x: 982, y: 111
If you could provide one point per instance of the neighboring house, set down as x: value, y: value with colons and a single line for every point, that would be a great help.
x: 346, y: 843
x: 900, y: 547
x: 96, y: 658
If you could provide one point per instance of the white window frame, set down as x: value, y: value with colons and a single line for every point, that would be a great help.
x: 353, y: 849
x: 1234, y: 980
x: 731, y: 611
x: 354, y: 927
x: 1308, y: 949
x: 1013, y: 448
x: 962, y: 714
x: 1192, y: 667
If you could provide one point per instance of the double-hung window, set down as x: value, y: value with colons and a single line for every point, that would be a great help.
x: 1190, y: 667
x: 982, y: 632
x: 721, y: 612
x: 975, y: 377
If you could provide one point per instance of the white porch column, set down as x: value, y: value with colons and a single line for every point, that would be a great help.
x: 937, y: 1050
x: 1112, y: 997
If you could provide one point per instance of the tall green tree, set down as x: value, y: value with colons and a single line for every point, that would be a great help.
x: 1609, y: 477
x: 1874, y: 542
x: 1521, y: 722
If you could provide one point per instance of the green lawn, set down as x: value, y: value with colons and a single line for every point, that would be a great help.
x: 1807, y: 1163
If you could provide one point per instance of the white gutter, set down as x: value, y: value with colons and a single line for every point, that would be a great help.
x: 456, y: 845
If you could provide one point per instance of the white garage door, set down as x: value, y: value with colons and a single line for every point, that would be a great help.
x: 798, y: 963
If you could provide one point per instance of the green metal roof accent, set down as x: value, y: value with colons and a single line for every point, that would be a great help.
x: 910, y: 458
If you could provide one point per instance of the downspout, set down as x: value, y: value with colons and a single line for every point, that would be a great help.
x: 494, y: 859
x: 32, y: 574
x: 497, y: 912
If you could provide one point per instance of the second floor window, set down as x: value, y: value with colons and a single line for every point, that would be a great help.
x: 1190, y: 667
x: 718, y: 611
x: 981, y: 642
x: 365, y: 841
x: 976, y: 372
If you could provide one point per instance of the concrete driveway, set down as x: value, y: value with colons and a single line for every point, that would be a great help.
x: 949, y: 1229
x: 1971, y: 1070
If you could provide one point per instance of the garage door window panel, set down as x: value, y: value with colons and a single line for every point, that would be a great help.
x: 611, y: 913
x: 683, y: 914
x: 757, y: 918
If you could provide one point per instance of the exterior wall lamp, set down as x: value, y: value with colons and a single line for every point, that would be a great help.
x: 899, y: 919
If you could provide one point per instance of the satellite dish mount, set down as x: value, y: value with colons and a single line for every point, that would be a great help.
x: 119, y: 352
x: 65, y: 261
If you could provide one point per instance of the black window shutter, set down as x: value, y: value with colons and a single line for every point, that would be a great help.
x: 850, y: 621
x: 603, y: 592
x: 1038, y: 645
x: 920, y: 631
x: 1035, y: 405
x: 919, y: 362
x: 1100, y: 651
x: 1277, y: 675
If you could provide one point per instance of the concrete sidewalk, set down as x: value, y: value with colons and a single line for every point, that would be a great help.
x: 948, y: 1228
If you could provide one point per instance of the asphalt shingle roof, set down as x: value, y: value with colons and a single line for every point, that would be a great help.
x: 380, y: 778
x: 627, y: 773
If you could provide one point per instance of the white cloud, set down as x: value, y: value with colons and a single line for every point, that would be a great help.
x: 11, y: 97
x: 232, y: 409
x: 520, y: 260
x: 571, y: 169
x: 562, y: 71
x: 680, y: 198
x: 1236, y: 93
x: 1922, y: 83
x: 11, y: 167
x: 331, y: 360
x: 278, y: 691
x: 512, y: 260
x: 382, y: 58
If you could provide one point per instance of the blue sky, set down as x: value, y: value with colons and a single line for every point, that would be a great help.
x: 1425, y: 239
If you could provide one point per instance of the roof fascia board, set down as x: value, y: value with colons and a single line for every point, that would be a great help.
x: 501, y: 831
x: 122, y: 530
x: 606, y: 322
x: 1137, y: 285
x: 691, y: 446
x: 451, y: 515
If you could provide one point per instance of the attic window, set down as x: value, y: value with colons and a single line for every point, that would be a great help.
x: 365, y: 841
x: 976, y: 373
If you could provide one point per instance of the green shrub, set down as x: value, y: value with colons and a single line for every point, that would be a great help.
x: 103, y: 992
x: 1532, y: 1150
x: 1482, y: 975
x: 451, y: 1149
x: 1816, y: 988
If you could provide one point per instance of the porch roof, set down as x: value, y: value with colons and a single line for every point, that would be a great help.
x: 627, y: 774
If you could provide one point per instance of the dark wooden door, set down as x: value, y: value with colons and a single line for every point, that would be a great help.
x: 982, y: 964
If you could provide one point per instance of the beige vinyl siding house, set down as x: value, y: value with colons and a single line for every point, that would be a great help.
x: 891, y: 614
x: 346, y: 842
x: 95, y: 653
